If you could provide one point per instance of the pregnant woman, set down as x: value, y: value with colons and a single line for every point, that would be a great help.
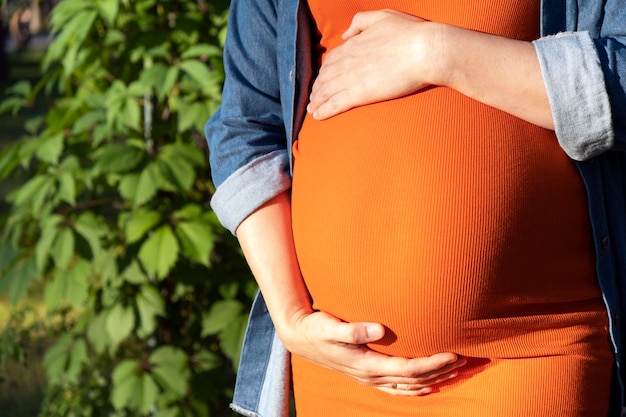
x: 437, y: 252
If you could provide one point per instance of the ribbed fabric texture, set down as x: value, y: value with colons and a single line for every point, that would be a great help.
x: 460, y: 228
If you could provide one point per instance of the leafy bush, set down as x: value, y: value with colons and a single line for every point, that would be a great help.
x: 112, y: 219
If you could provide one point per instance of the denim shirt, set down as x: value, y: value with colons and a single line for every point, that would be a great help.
x: 268, y: 62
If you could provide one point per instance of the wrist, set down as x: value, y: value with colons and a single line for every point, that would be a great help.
x: 287, y: 322
x: 440, y: 47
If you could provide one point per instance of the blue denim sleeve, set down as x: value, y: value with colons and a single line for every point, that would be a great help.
x: 578, y: 98
x: 246, y: 136
x: 585, y: 77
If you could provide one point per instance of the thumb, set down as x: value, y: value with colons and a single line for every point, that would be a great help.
x: 361, y: 333
x: 360, y: 22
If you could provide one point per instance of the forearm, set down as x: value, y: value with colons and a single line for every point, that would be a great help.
x: 500, y: 72
x: 267, y: 242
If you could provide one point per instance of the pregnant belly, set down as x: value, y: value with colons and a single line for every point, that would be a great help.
x: 456, y: 235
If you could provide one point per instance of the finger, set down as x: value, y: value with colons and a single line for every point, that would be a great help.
x: 421, y: 382
x: 337, y: 331
x: 339, y: 102
x: 380, y: 368
x: 406, y: 391
x: 361, y: 21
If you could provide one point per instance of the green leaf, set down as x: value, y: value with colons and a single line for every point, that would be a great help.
x: 149, y: 393
x: 202, y: 50
x: 128, y: 186
x: 189, y: 212
x: 150, y: 304
x: 132, y: 113
x: 77, y: 358
x: 71, y: 286
x: 177, y: 172
x: 63, y: 248
x: 67, y: 188
x: 139, y: 223
x: 117, y: 157
x: 21, y: 88
x: 197, y: 240
x: 77, y: 283
x: 126, y: 378
x: 108, y: 10
x: 91, y: 228
x: 9, y: 159
x: 8, y: 255
x: 50, y: 149
x: 171, y: 369
x: 220, y: 316
x: 134, y: 274
x: 159, y: 252
x: 49, y: 233
x: 168, y: 83
x: 34, y: 192
x: 19, y: 278
x: 206, y: 360
x: 189, y: 153
x: 190, y: 115
x: 54, y: 290
x: 56, y: 357
x: 97, y: 333
x: 168, y: 412
x: 154, y: 76
x: 198, y: 71
x: 231, y: 339
x: 12, y: 103
x: 147, y: 184
x: 120, y: 322
x: 89, y: 121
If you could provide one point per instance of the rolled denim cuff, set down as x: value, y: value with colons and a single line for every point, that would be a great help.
x: 250, y: 187
x: 264, y: 375
x: 576, y: 89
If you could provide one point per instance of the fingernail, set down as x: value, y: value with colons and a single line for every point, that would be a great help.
x: 373, y: 331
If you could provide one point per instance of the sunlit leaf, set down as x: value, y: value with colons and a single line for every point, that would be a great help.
x: 198, y: 71
x: 147, y: 184
x: 67, y: 188
x: 139, y: 223
x: 19, y: 278
x: 77, y: 358
x: 231, y: 340
x: 120, y: 322
x: 117, y: 157
x: 56, y: 357
x: 108, y: 10
x: 134, y: 274
x: 220, y: 316
x: 201, y: 50
x: 126, y: 379
x: 97, y: 334
x: 159, y: 252
x: 171, y: 369
x: 50, y: 149
x: 63, y: 247
x: 150, y: 304
x: 197, y: 240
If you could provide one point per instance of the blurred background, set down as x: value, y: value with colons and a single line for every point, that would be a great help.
x: 120, y: 294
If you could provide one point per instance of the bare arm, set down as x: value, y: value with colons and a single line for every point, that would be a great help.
x: 388, y: 54
x: 267, y: 242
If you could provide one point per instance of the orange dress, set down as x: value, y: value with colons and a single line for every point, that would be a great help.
x: 460, y: 228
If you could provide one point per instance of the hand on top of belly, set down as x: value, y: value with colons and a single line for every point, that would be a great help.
x: 386, y: 54
x: 324, y: 339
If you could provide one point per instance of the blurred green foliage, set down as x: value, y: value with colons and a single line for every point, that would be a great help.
x: 112, y: 222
